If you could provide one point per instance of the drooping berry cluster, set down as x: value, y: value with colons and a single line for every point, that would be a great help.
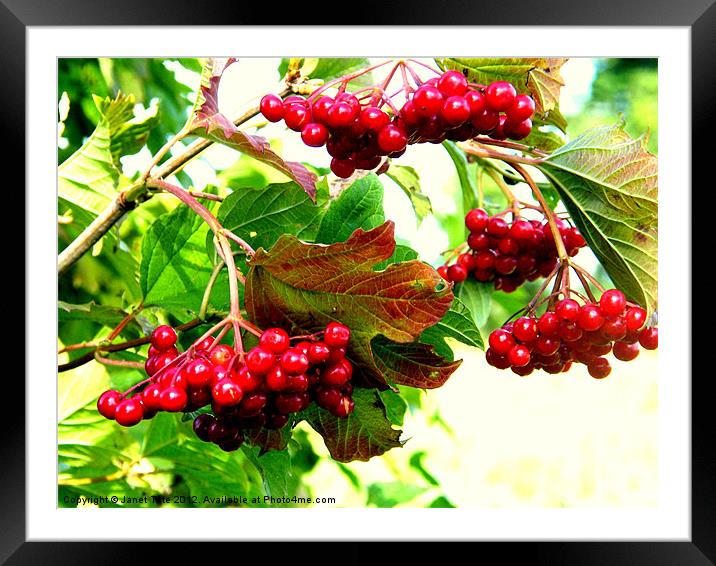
x: 571, y: 333
x: 358, y: 132
x: 509, y: 253
x: 261, y: 389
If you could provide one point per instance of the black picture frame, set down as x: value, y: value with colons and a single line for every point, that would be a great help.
x: 698, y: 15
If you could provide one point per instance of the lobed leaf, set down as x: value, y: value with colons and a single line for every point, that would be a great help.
x: 365, y: 433
x: 608, y: 182
x: 408, y: 180
x: 308, y: 285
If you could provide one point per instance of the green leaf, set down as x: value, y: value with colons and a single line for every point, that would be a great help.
x: 209, y: 123
x: 458, y: 323
x: 395, y: 406
x: 175, y: 268
x: 261, y: 215
x: 543, y: 139
x: 391, y: 494
x: 275, y: 469
x: 536, y: 76
x: 407, y: 179
x: 309, y: 285
x: 401, y: 253
x: 466, y: 173
x: 79, y: 387
x: 477, y: 297
x: 608, y: 182
x: 107, y: 316
x: 358, y: 206
x: 365, y: 433
x: 416, y: 462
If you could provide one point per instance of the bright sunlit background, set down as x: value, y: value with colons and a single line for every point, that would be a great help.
x: 487, y: 438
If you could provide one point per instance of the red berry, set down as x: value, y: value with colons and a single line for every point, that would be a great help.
x: 320, y: 109
x: 252, y: 404
x: 525, y: 329
x: 427, y: 101
x: 476, y: 101
x: 457, y: 273
x: 485, y: 260
x: 452, y: 83
x: 547, y: 345
x: 625, y: 352
x: 271, y: 107
x: 343, y: 168
x: 635, y: 318
x: 337, y: 374
x: 501, y: 341
x: 497, y: 227
x: 590, y: 318
x: 296, y: 116
x: 314, y: 135
x: 294, y: 362
x: 341, y: 114
x: 504, y: 265
x: 221, y: 355
x: 500, y: 95
x: 227, y: 393
x: 276, y: 379
x: 486, y: 121
x: 496, y: 360
x: 129, y: 412
x: 246, y: 380
x: 522, y: 108
x: 275, y: 340
x: 649, y: 338
x: 518, y: 356
x: 567, y: 309
x: 372, y: 118
x: 522, y: 230
x: 107, y: 403
x: 336, y: 335
x: 612, y: 302
x: 613, y: 328
x: 298, y: 383
x: 569, y: 331
x: 391, y: 138
x: 476, y: 220
x: 443, y: 272
x: 455, y: 110
x: 599, y: 368
x: 151, y: 397
x: 318, y: 353
x: 201, y: 426
x: 344, y: 408
x: 259, y: 360
x: 173, y: 399
x: 163, y: 338
x: 198, y: 372
x: 478, y: 241
x: 517, y: 130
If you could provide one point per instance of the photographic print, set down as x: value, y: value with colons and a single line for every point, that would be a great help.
x: 357, y: 282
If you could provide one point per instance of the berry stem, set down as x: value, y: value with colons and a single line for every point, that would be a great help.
x: 124, y: 322
x: 480, y: 151
x: 588, y: 275
x: 549, y: 214
x: 184, y: 132
x: 188, y: 200
x: 120, y: 363
x: 510, y: 145
x: 209, y: 286
x: 433, y: 69
x: 345, y: 79
x: 512, y: 201
x: 536, y: 299
x: 584, y: 282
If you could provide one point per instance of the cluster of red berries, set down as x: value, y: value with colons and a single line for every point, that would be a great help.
x: 573, y: 334
x: 509, y: 253
x: 358, y: 136
x: 260, y: 389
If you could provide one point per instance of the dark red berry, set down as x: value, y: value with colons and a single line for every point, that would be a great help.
x: 476, y: 220
x: 173, y: 399
x: 625, y: 352
x: 497, y: 227
x: 343, y: 168
x: 294, y: 362
x: 548, y: 323
x: 337, y: 374
x: 318, y: 353
x: 649, y: 338
x: 599, y: 368
x: 457, y: 273
x: 246, y: 380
